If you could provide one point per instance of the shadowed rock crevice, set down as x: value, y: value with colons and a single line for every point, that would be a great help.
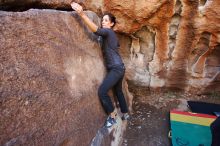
x: 202, y: 2
x: 63, y: 5
x: 25, y: 5
x: 200, y: 53
x: 212, y: 67
x: 177, y: 76
x: 174, y: 26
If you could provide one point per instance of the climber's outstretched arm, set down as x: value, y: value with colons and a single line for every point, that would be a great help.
x: 92, y: 26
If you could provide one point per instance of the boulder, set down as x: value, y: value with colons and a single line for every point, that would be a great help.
x: 51, y: 68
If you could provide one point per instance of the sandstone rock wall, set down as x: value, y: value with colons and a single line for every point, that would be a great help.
x: 179, y: 37
x: 51, y: 67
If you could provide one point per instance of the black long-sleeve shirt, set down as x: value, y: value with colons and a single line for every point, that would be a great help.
x: 110, y: 46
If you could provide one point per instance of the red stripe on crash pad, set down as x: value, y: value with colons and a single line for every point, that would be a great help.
x: 192, y: 114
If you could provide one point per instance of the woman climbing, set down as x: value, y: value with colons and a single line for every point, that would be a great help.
x: 115, y: 66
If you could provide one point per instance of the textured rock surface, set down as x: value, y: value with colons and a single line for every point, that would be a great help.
x: 93, y: 5
x: 46, y: 74
x: 110, y: 136
x: 49, y: 81
x: 177, y: 39
x: 197, y: 28
x: 25, y: 4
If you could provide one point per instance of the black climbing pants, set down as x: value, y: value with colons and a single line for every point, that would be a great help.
x: 113, y: 80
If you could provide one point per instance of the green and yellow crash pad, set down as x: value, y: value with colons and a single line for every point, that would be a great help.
x: 190, y: 129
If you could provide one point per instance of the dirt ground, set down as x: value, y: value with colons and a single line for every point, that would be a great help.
x: 150, y: 123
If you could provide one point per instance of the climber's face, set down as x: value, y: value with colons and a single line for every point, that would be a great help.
x: 106, y: 23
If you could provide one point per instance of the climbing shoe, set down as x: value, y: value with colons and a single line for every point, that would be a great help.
x: 125, y: 116
x: 110, y: 122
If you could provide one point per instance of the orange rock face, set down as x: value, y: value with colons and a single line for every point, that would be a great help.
x: 132, y: 15
x: 51, y: 65
x: 176, y: 40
